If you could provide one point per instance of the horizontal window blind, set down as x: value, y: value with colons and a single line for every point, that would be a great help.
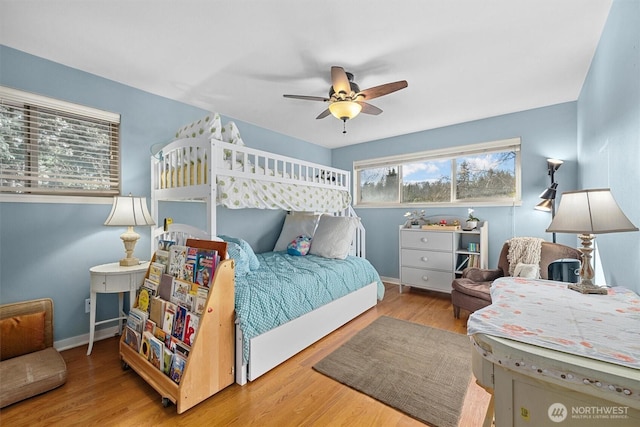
x: 54, y: 147
x: 512, y: 144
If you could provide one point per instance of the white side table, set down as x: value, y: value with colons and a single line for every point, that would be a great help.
x: 112, y: 278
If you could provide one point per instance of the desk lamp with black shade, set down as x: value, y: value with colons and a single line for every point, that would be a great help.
x: 586, y: 213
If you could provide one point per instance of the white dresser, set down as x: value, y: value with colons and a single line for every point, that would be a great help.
x: 430, y: 259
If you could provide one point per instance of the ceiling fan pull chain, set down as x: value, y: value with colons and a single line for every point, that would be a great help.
x: 344, y: 125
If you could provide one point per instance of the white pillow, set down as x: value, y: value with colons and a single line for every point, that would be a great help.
x: 208, y: 126
x: 528, y: 271
x: 333, y: 236
x: 296, y: 224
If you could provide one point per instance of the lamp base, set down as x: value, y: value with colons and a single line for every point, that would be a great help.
x: 128, y: 262
x: 129, y: 238
x: 585, y: 288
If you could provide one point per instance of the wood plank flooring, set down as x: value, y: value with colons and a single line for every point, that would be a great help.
x: 99, y: 392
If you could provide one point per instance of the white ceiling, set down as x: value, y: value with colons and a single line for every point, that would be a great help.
x: 463, y: 59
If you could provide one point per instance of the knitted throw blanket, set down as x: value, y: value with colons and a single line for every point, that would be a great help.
x: 525, y: 250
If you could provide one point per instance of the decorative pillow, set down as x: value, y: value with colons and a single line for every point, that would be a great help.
x: 21, y: 335
x: 333, y: 236
x: 299, y: 246
x: 210, y: 125
x: 254, y: 263
x: 242, y: 260
x: 231, y: 134
x: 296, y: 224
x: 528, y: 271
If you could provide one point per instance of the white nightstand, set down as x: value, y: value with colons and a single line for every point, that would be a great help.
x: 112, y: 278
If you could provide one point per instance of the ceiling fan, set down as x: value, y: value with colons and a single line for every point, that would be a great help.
x: 346, y: 100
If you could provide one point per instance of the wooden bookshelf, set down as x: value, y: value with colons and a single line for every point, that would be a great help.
x: 210, y: 365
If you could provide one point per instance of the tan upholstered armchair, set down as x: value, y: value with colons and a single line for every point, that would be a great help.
x: 471, y: 291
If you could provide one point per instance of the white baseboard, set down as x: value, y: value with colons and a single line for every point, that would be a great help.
x: 80, y: 340
x: 392, y: 280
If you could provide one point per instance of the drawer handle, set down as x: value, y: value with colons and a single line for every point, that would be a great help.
x: 424, y: 240
x: 424, y: 258
x: 425, y: 278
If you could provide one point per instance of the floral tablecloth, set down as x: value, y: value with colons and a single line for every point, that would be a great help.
x: 547, y: 314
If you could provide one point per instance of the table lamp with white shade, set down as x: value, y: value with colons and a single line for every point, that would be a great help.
x: 585, y: 213
x: 128, y: 211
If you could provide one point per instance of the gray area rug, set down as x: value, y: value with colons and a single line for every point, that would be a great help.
x: 421, y: 371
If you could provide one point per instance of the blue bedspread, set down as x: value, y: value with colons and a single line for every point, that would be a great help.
x: 286, y: 287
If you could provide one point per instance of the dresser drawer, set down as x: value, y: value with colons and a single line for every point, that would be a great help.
x: 427, y: 279
x: 427, y: 259
x: 418, y: 239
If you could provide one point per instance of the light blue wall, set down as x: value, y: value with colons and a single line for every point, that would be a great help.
x: 46, y: 250
x: 609, y: 136
x: 545, y: 132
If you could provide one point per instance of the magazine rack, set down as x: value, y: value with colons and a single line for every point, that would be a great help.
x: 210, y: 365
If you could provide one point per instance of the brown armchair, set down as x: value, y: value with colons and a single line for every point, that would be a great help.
x: 471, y: 291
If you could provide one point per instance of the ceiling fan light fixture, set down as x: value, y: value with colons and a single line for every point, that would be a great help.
x: 345, y: 110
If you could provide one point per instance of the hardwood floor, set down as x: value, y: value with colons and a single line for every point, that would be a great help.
x: 99, y: 392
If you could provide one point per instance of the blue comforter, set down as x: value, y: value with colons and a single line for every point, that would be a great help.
x: 286, y: 287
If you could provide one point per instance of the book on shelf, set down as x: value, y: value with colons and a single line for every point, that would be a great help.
x: 473, y: 247
x: 137, y: 319
x: 180, y: 348
x: 156, y: 352
x: 474, y: 260
x: 151, y: 286
x: 144, y: 298
x: 177, y: 259
x: 165, y: 287
x: 189, y: 267
x: 166, y: 363
x: 162, y: 257
x: 169, y: 315
x: 191, y: 327
x: 181, y: 289
x: 179, y: 323
x: 156, y: 311
x: 205, y: 266
x: 200, y: 300
x: 162, y: 336
x: 177, y: 367
x: 155, y: 272
x: 132, y: 338
x: 150, y: 326
x: 145, y: 346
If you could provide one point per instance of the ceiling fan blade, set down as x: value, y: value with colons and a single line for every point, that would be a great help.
x: 307, y: 98
x: 385, y: 89
x: 339, y: 80
x: 324, y: 114
x: 369, y: 109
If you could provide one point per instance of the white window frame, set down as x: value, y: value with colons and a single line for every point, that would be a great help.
x: 11, y: 95
x: 511, y: 144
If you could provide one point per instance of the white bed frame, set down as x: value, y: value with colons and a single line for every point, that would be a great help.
x: 187, y: 170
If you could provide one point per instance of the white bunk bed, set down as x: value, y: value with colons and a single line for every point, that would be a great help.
x: 205, y: 169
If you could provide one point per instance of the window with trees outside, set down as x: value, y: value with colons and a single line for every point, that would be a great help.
x: 487, y: 173
x: 53, y: 147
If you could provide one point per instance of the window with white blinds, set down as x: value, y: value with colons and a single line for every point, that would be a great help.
x: 55, y: 147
